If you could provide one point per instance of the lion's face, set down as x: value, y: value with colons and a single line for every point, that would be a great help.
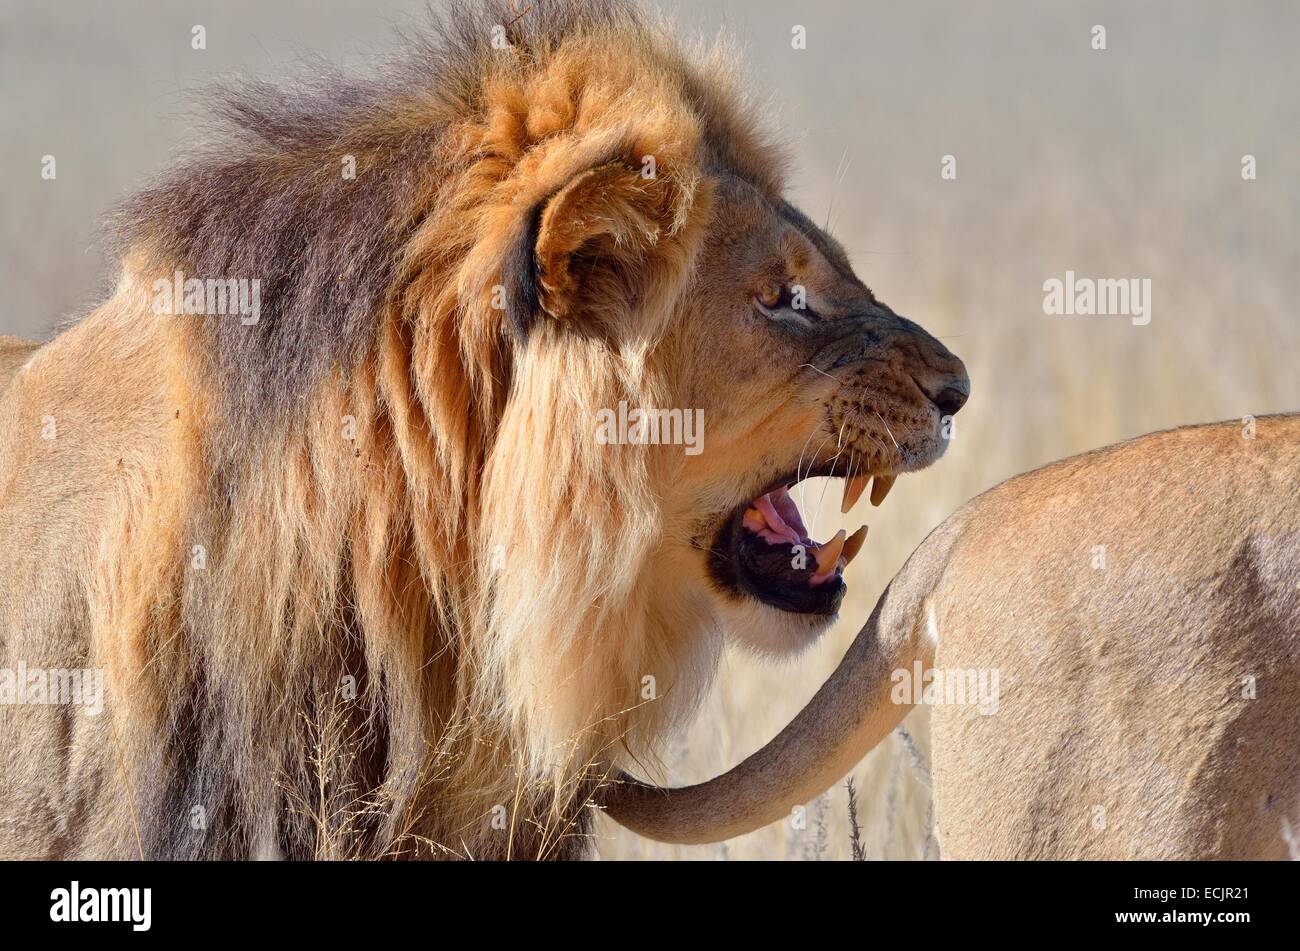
x: 800, y: 372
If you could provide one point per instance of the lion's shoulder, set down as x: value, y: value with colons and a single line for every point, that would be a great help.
x: 14, y: 352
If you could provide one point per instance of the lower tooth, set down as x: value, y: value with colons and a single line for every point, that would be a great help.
x: 828, y: 555
x: 854, y: 544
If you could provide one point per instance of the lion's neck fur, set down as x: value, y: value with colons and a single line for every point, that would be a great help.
x: 381, y: 628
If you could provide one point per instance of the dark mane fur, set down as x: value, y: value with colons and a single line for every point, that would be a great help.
x: 271, y: 203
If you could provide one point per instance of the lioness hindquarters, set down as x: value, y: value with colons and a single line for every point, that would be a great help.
x: 1136, y: 610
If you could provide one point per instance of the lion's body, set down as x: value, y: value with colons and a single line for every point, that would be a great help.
x: 80, y: 433
x: 14, y: 352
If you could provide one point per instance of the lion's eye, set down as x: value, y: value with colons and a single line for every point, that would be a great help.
x: 771, y: 296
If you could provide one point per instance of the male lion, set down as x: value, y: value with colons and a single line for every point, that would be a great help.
x: 320, y: 488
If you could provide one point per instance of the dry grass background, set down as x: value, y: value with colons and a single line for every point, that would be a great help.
x: 1122, y: 163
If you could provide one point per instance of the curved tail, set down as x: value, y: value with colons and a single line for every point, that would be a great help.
x: 852, y: 712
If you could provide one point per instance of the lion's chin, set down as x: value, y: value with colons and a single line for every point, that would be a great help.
x: 771, y: 632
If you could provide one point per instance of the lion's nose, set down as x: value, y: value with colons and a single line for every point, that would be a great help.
x: 936, y: 370
x: 948, y: 388
x: 952, y: 397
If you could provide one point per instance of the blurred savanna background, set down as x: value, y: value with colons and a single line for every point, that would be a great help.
x: 1115, y: 163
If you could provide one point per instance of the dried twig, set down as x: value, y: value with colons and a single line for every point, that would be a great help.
x: 855, y: 831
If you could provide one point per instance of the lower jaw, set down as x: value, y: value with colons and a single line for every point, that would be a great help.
x: 764, y: 553
x: 799, y: 598
x: 821, y: 601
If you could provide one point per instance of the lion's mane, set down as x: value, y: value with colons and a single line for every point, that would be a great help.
x: 386, y: 595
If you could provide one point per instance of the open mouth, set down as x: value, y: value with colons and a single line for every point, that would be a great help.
x: 765, y: 550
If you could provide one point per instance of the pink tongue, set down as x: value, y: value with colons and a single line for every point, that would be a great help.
x: 782, y: 502
x: 782, y: 516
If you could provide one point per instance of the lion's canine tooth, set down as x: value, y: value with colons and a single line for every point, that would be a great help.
x: 829, y: 554
x: 854, y: 544
x: 880, y: 488
x: 853, y: 489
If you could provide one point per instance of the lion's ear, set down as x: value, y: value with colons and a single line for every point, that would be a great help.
x: 591, y: 248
